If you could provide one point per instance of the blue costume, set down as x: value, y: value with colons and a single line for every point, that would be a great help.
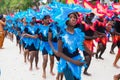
x: 45, y: 47
x: 71, y: 44
x: 55, y: 30
x: 31, y: 43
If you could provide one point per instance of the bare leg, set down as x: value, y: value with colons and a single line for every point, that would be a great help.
x: 51, y: 65
x: 102, y: 51
x: 98, y: 50
x: 45, y: 60
x: 32, y: 55
x: 88, y: 60
x: 59, y: 76
x: 17, y: 41
x: 117, y: 77
x: 25, y: 54
x: 112, y: 48
x: 36, y: 59
x: 19, y: 47
x: 116, y: 60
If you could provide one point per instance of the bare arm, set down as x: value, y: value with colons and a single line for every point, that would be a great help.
x: 60, y: 54
x: 50, y: 40
x: 31, y: 36
x: 89, y: 37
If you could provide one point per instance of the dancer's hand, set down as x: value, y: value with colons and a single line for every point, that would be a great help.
x: 56, y: 53
x: 77, y: 62
x: 23, y: 35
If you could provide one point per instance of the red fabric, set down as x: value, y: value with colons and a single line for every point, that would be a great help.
x: 39, y: 21
x: 87, y: 26
x: 89, y: 44
x: 102, y: 40
x: 115, y: 38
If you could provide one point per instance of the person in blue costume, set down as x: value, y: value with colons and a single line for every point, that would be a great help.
x: 20, y: 28
x: 22, y: 25
x: 54, y: 31
x: 45, y: 47
x: 70, y: 43
x: 33, y: 43
x: 9, y: 24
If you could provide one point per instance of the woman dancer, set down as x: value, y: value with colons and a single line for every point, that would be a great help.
x: 45, y: 47
x: 89, y: 30
x: 117, y: 34
x: 53, y: 34
x: 101, y: 31
x: 32, y: 43
x: 69, y: 44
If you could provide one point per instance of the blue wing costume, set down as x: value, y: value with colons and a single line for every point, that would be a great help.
x: 71, y: 43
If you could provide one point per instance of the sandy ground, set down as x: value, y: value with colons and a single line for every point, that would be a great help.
x: 12, y: 66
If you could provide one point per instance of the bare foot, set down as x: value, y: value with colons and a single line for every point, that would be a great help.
x: 86, y: 73
x: 44, y: 75
x: 37, y: 68
x: 57, y: 78
x: 25, y: 61
x: 112, y: 52
x: 30, y: 69
x: 116, y: 77
x: 116, y: 66
x: 2, y: 48
x: 52, y: 73
x: 101, y: 58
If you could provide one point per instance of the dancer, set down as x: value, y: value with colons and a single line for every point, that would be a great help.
x: 102, y: 40
x: 117, y: 33
x: 89, y: 30
x: 45, y: 47
x: 20, y: 28
x: 33, y: 43
x: 53, y: 34
x: 23, y: 40
x: 70, y: 41
x: 114, y: 44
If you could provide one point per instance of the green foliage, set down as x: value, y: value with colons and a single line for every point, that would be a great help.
x: 63, y: 1
x: 8, y: 6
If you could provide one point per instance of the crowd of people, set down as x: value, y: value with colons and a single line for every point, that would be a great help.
x: 66, y: 43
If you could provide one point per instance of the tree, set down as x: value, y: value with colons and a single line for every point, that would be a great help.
x: 7, y: 6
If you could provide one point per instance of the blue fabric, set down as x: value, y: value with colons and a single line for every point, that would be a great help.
x: 46, y: 46
x: 44, y: 30
x: 72, y: 42
x: 53, y: 27
x: 29, y: 41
